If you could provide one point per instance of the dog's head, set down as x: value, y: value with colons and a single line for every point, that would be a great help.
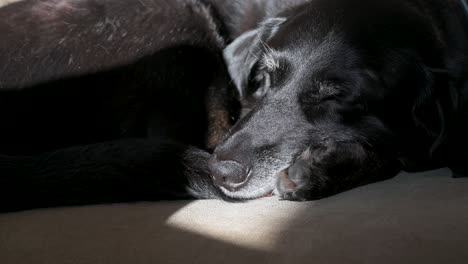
x: 306, y: 84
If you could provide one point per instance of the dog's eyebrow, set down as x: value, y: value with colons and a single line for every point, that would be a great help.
x: 269, y: 60
x: 266, y: 48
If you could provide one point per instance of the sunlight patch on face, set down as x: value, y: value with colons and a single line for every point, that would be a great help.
x: 258, y: 224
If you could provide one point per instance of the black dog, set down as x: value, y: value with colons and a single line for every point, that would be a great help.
x: 338, y: 93
x: 101, y: 101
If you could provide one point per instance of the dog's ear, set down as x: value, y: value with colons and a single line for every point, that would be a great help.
x: 245, y: 51
x: 436, y: 105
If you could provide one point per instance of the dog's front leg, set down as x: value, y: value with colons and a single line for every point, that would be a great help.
x: 331, y: 168
x: 116, y: 171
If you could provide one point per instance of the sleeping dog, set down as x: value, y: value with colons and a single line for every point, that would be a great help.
x: 339, y: 93
x: 101, y: 100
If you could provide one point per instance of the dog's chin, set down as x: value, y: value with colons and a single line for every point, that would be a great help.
x: 256, y: 187
x: 261, y: 183
x: 248, y: 195
x: 252, y: 190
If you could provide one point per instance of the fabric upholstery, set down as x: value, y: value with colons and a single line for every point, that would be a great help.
x: 413, y: 218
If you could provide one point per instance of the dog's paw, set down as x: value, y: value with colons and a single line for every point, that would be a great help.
x: 332, y: 168
x: 302, y: 181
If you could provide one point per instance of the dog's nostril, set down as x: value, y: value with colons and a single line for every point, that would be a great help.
x: 227, y: 173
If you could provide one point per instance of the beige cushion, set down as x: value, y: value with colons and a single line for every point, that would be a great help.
x: 5, y: 2
x: 413, y: 218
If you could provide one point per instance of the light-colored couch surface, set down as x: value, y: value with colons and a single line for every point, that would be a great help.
x: 413, y: 218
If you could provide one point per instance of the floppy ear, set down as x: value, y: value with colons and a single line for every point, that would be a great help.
x: 439, y: 103
x: 240, y: 59
x: 243, y: 53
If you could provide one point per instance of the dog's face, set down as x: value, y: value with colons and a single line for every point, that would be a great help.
x: 316, y: 104
x: 301, y: 91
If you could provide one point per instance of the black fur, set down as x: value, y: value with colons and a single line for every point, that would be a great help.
x: 102, y: 101
x: 338, y: 93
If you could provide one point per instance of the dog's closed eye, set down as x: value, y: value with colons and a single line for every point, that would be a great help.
x: 331, y: 85
x: 326, y: 90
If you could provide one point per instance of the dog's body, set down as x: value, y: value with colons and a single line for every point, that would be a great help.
x: 102, y: 101
x: 95, y: 105
x: 337, y: 93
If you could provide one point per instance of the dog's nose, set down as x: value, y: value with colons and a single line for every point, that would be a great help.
x: 229, y: 174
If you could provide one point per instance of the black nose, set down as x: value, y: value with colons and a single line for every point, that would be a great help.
x: 229, y: 174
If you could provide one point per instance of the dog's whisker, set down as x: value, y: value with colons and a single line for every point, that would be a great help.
x: 253, y: 54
